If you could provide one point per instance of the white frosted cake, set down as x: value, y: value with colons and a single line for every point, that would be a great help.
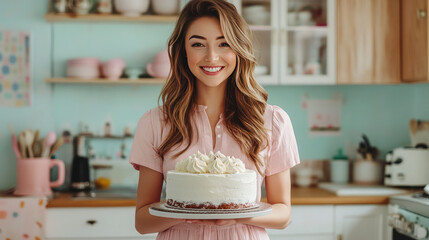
x: 212, y: 181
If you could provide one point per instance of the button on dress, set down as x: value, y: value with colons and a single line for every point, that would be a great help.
x: 281, y: 155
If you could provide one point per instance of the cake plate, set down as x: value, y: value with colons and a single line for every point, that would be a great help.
x: 161, y: 209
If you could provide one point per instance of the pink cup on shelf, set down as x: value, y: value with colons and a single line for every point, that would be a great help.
x: 160, y: 67
x: 33, y: 176
x: 83, y: 68
x: 113, y: 68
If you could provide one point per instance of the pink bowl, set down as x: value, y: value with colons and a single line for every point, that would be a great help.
x: 113, y: 68
x: 158, y: 70
x: 162, y: 57
x: 88, y: 60
x: 83, y: 68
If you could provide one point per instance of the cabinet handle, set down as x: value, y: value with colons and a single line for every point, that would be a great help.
x: 340, y: 237
x: 421, y: 14
x: 91, y: 222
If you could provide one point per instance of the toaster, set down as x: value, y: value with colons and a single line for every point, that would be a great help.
x: 407, y: 167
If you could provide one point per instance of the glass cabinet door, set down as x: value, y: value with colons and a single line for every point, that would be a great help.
x: 261, y: 15
x: 307, y: 42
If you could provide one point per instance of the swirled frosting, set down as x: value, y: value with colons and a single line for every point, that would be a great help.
x: 215, y: 163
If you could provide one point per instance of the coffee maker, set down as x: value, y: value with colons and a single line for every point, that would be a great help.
x: 80, y: 183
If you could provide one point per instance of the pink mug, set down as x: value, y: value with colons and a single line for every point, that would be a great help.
x: 158, y: 70
x: 33, y: 176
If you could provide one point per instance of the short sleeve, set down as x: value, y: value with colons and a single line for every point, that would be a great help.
x: 143, y: 151
x: 284, y: 150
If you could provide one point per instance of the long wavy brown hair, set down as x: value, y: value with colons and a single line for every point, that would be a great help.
x: 245, y: 99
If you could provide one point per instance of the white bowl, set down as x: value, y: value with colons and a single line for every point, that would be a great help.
x: 132, y: 8
x: 165, y: 7
x: 262, y: 18
x: 254, y: 9
x: 260, y: 70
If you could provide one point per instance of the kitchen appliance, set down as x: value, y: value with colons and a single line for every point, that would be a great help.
x: 407, y: 166
x: 80, y: 178
x: 409, y: 216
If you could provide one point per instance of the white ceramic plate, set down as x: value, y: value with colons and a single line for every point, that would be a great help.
x: 162, y: 210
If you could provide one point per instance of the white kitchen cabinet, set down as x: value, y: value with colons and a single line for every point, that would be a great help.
x: 296, y: 44
x: 357, y: 222
x: 311, y: 222
x: 92, y: 223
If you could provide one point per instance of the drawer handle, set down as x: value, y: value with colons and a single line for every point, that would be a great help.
x: 91, y: 222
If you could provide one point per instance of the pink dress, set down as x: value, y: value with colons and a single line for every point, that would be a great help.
x: 281, y: 155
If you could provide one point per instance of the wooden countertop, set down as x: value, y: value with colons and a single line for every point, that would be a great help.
x: 300, y: 196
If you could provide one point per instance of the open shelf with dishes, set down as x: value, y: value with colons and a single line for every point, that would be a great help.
x: 143, y: 81
x: 62, y: 17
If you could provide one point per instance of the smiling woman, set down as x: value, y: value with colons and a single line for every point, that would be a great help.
x: 212, y: 102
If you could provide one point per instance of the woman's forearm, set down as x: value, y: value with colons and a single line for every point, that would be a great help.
x: 147, y: 223
x: 278, y: 219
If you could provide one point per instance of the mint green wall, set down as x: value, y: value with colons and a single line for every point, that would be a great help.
x: 382, y: 112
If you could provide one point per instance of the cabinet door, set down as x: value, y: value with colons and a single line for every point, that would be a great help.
x: 414, y: 41
x: 307, y: 42
x: 315, y: 222
x: 368, y: 48
x: 357, y: 222
x: 262, y: 17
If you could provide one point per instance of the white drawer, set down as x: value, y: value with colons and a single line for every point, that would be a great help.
x: 112, y: 222
x: 314, y: 219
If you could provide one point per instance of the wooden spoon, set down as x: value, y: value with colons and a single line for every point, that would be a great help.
x: 56, y: 146
x: 49, y: 141
x: 29, y: 138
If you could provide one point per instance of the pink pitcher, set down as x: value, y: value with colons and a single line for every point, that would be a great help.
x: 33, y: 176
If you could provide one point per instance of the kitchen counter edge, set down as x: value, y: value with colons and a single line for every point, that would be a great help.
x: 300, y: 196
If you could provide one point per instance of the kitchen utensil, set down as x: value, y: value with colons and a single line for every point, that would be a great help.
x: 35, y: 141
x: 50, y: 139
x: 15, y: 146
x: 56, y: 146
x: 132, y: 8
x: 14, y: 142
x: 29, y: 138
x: 367, y: 151
x: 33, y: 176
x: 22, y: 144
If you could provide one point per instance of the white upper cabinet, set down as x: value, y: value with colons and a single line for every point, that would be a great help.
x: 294, y: 40
x: 307, y: 45
x: 262, y: 17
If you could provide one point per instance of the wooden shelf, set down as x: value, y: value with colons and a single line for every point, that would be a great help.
x: 106, y: 81
x: 54, y: 17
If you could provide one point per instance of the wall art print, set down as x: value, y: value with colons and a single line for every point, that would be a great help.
x: 15, y: 68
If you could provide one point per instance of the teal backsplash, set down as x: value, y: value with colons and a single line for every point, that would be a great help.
x: 382, y: 112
